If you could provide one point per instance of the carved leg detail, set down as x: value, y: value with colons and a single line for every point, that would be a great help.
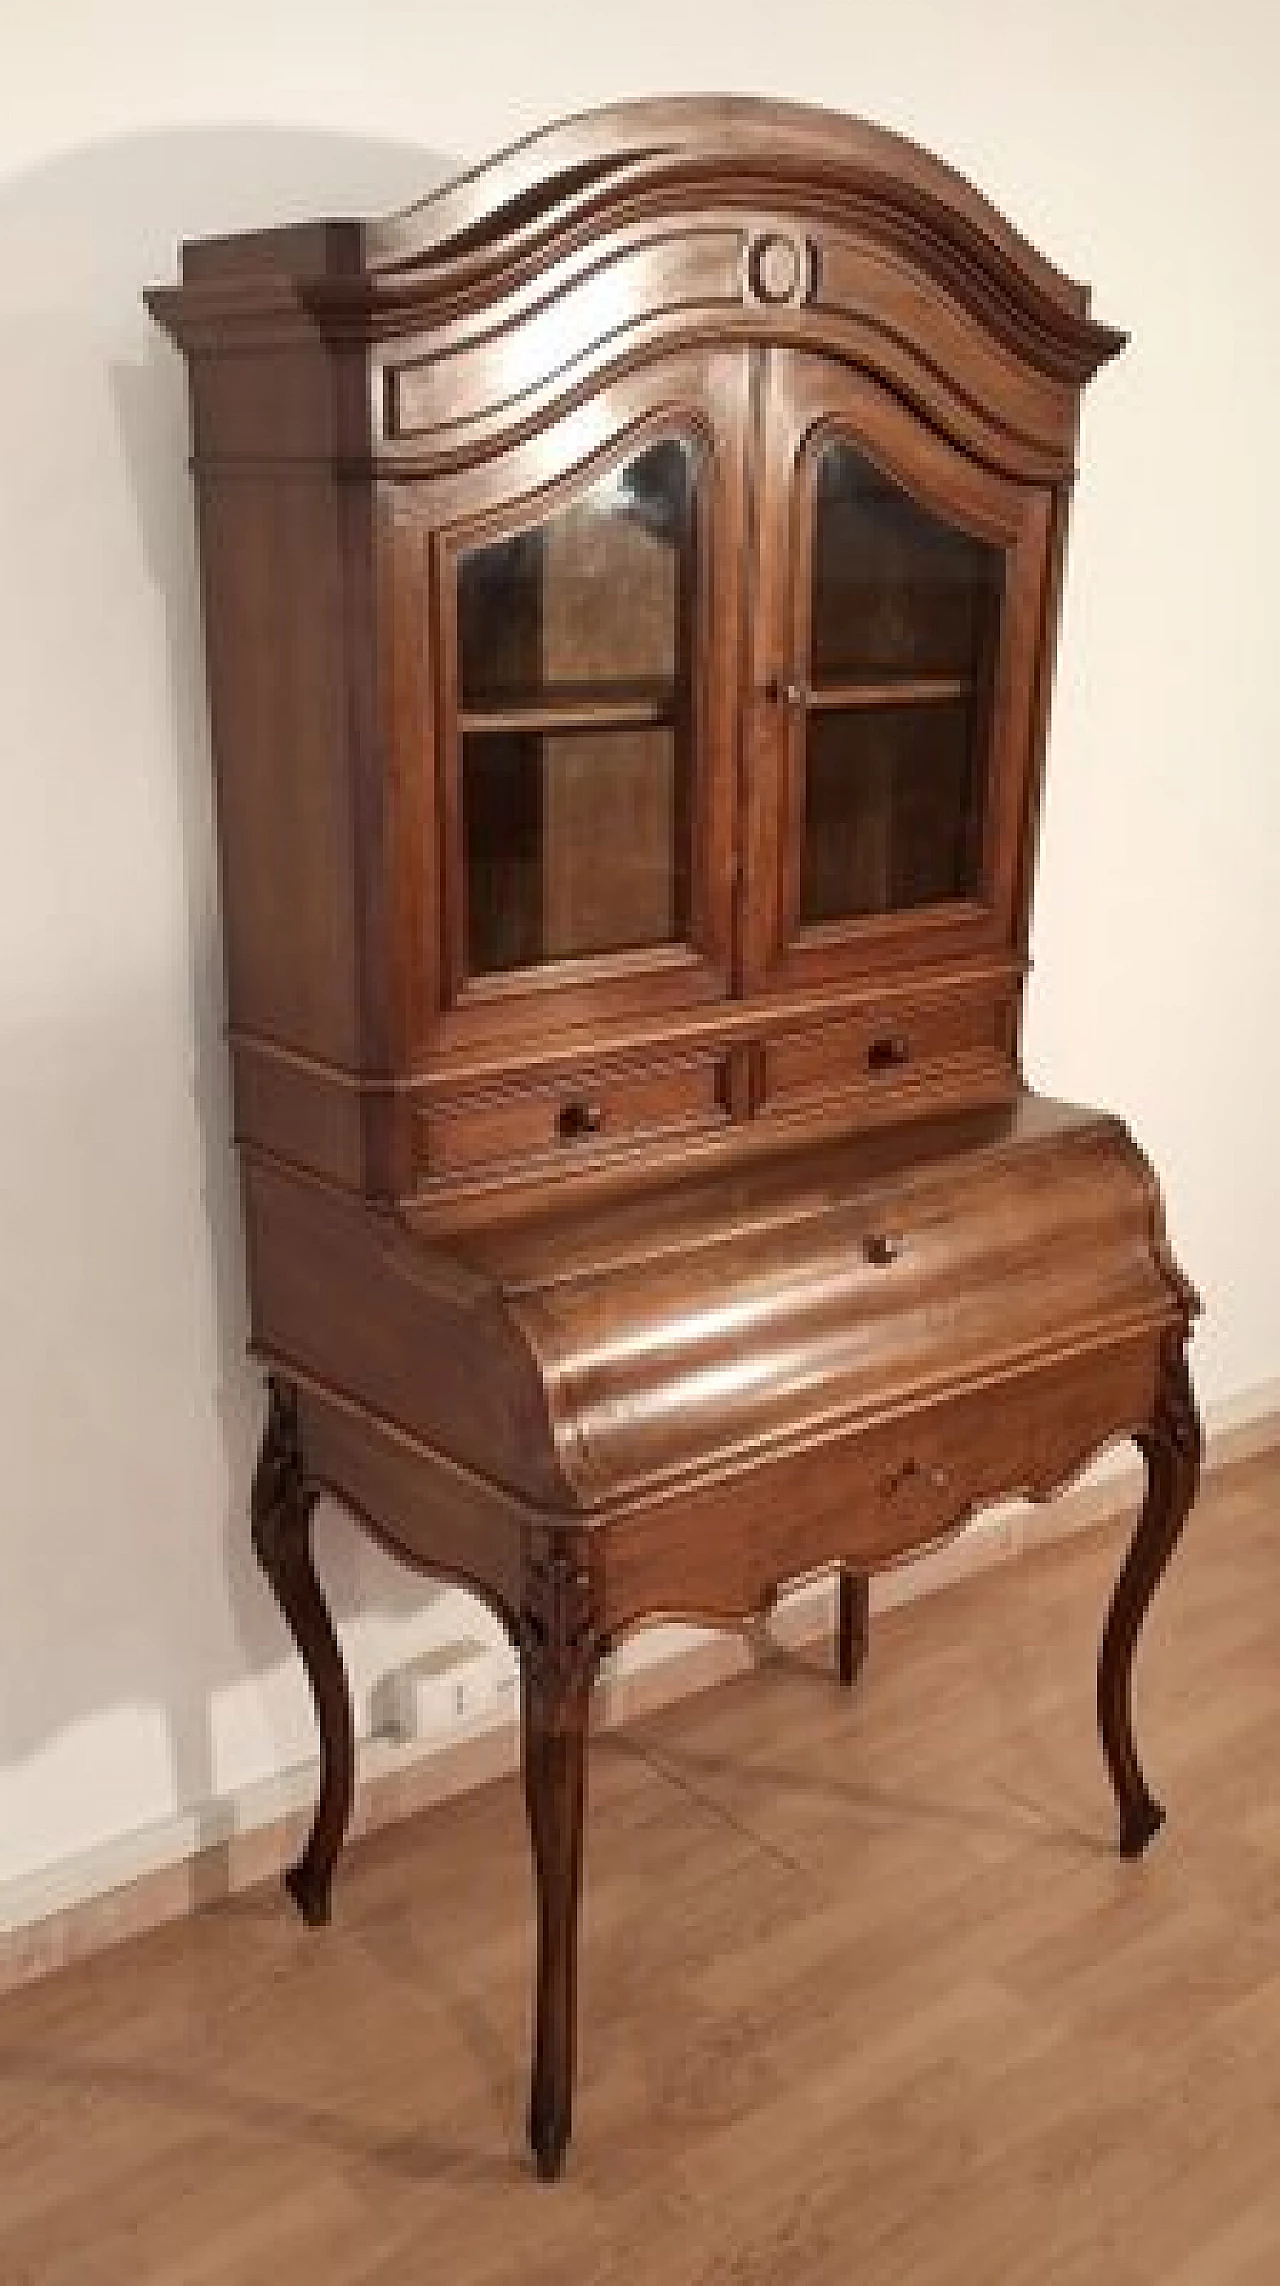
x: 853, y: 1632
x: 1171, y: 1448
x: 281, y: 1511
x: 559, y: 1654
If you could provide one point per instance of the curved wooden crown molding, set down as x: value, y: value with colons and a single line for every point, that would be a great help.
x: 598, y: 171
x: 598, y: 167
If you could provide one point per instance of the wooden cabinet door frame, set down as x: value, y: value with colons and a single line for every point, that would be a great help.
x: 699, y: 395
x: 805, y: 400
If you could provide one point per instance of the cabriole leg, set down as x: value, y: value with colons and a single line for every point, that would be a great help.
x: 1171, y: 1448
x: 281, y: 1507
x: 853, y: 1629
x: 555, y: 1793
x: 559, y: 1655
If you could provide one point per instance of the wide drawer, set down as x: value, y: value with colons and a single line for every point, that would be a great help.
x: 876, y: 1494
x: 889, y: 1052
x: 580, y: 1114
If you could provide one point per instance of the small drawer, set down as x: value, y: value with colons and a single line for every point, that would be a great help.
x: 585, y: 1113
x: 882, y: 1051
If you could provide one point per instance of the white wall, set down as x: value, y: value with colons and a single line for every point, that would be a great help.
x: 142, y: 1667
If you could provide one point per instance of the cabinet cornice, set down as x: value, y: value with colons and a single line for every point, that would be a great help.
x: 605, y: 171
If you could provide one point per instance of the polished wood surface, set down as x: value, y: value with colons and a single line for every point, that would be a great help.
x: 866, y: 1993
x: 372, y: 403
x: 631, y: 582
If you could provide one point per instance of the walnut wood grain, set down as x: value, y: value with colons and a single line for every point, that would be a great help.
x: 641, y: 1215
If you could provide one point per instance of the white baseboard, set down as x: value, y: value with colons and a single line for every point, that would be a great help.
x: 139, y: 1880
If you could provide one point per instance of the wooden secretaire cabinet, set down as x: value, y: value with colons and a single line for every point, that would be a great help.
x: 630, y: 588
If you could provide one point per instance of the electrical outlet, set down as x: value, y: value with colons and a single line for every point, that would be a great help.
x: 460, y: 1685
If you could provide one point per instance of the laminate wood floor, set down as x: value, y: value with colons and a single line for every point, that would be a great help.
x: 866, y: 1993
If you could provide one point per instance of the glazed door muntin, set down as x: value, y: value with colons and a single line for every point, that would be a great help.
x: 698, y: 400
x: 810, y: 402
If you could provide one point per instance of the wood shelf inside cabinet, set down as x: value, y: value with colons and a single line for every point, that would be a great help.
x: 638, y: 706
x: 894, y: 690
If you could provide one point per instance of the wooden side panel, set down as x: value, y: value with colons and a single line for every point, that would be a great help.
x: 320, y: 866
x: 309, y: 1117
x: 273, y: 589
x: 287, y: 402
x: 344, y: 1297
x: 453, y: 1524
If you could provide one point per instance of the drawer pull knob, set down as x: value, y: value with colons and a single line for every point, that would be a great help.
x: 884, y: 1247
x: 888, y: 1052
x: 576, y: 1119
x: 914, y: 1472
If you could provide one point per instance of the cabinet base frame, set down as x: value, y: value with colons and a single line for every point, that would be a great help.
x: 559, y: 1633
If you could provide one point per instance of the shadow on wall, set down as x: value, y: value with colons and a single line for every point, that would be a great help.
x: 129, y: 1411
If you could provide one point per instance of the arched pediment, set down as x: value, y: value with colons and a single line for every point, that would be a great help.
x: 647, y: 228
x: 605, y: 169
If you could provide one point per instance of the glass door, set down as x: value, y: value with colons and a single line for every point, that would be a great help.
x: 576, y: 721
x: 895, y: 640
x: 588, y: 632
x: 904, y: 621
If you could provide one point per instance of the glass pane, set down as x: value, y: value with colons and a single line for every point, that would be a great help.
x: 576, y: 713
x: 891, y: 810
x: 895, y: 591
x: 594, y: 597
x: 906, y: 620
x: 575, y: 844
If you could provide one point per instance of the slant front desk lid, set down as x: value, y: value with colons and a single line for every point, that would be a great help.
x: 689, y: 1324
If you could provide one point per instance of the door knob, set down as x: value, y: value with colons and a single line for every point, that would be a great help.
x: 783, y: 690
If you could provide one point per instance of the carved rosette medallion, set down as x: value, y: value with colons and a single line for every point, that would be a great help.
x: 781, y: 271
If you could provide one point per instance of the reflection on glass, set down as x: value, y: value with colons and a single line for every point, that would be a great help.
x: 576, y: 700
x: 905, y: 622
x: 895, y: 591
x: 891, y: 811
x: 590, y: 598
x: 574, y: 845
